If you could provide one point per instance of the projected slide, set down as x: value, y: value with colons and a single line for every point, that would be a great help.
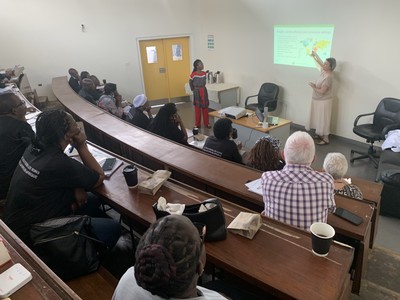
x: 293, y: 44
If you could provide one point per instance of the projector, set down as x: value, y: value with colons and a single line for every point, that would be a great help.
x: 233, y: 112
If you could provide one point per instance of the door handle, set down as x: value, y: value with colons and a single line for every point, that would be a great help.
x: 162, y: 70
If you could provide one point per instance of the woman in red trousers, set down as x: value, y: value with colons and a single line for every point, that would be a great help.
x: 197, y: 84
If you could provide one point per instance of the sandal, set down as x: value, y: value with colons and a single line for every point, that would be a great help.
x: 323, y: 142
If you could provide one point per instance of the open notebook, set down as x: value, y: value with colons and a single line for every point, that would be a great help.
x: 99, y: 155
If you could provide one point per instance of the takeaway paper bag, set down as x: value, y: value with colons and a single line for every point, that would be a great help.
x: 246, y: 224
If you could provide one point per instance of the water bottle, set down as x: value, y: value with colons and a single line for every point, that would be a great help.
x: 210, y: 77
x: 265, y: 123
x: 218, y: 77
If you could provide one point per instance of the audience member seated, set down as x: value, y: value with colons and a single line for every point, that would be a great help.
x: 97, y: 84
x: 136, y: 114
x: 48, y: 184
x: 265, y: 155
x: 297, y: 194
x: 335, y: 163
x: 95, y: 80
x: 221, y: 144
x: 15, y: 135
x: 74, y: 80
x: 84, y: 74
x: 111, y: 100
x: 168, y: 124
x: 170, y: 258
x: 89, y: 92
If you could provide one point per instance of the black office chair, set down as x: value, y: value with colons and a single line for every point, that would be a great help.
x: 267, y: 97
x: 386, y: 118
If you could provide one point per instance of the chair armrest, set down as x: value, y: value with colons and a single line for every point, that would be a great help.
x: 360, y: 116
x: 245, y: 103
x: 389, y: 127
x: 391, y: 177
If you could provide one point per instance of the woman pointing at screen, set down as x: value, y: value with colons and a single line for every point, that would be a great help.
x: 321, y: 105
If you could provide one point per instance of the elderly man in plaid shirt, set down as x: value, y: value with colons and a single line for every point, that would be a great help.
x: 298, y: 195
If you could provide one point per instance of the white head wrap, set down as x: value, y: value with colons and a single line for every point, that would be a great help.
x: 139, y: 100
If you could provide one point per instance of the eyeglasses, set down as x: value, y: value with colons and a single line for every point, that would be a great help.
x: 20, y: 104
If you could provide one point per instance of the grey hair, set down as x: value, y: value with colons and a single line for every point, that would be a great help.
x: 335, y: 163
x: 299, y: 149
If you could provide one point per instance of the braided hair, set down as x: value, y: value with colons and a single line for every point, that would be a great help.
x: 264, y: 156
x: 167, y: 257
x: 51, y: 126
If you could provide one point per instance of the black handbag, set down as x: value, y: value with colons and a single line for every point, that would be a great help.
x: 67, y: 245
x: 213, y: 218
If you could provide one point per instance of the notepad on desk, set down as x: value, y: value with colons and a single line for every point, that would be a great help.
x: 99, y: 156
x: 255, y: 186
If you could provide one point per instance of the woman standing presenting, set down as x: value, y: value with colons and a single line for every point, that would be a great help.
x: 197, y: 84
x: 321, y: 106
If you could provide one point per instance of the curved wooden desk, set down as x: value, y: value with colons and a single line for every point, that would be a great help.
x: 211, y: 174
x: 45, y: 284
x: 199, y: 170
x: 278, y: 260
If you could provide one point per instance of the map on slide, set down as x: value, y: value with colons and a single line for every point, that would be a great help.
x: 293, y: 44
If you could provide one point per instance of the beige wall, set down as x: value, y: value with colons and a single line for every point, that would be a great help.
x: 47, y: 40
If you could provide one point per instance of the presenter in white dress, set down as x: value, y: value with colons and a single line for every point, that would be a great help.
x: 322, y: 98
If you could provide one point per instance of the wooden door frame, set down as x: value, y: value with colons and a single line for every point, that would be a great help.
x: 161, y: 37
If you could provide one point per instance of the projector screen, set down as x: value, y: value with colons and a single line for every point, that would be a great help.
x: 293, y: 44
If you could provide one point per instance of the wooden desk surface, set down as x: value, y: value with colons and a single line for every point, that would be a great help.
x: 278, y: 259
x: 362, y: 209
x: 252, y: 121
x: 220, y: 177
x: 45, y: 284
x: 193, y: 164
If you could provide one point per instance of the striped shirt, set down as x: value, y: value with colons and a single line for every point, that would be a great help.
x: 298, y: 195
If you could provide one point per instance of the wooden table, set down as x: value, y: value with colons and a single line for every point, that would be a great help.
x: 372, y: 195
x: 45, y: 283
x: 278, y: 260
x: 249, y: 131
x: 208, y: 173
x: 356, y: 236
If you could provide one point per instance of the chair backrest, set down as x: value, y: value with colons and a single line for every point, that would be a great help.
x: 268, y: 93
x: 387, y: 112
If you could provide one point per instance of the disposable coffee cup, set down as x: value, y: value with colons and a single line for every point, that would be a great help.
x: 131, y: 175
x: 321, y: 237
x: 265, y: 125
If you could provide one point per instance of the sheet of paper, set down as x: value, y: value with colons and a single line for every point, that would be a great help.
x: 255, y: 186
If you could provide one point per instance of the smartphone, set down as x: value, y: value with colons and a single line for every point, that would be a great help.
x: 348, y: 216
x: 13, y: 279
x: 109, y: 163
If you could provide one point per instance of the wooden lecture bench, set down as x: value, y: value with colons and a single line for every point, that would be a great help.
x: 213, y: 175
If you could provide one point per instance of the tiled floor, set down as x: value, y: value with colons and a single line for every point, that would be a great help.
x: 388, y: 228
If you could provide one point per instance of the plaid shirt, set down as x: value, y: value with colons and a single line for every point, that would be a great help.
x: 298, y: 195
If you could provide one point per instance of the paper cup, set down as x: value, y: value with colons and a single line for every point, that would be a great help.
x: 131, y: 175
x: 321, y: 237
